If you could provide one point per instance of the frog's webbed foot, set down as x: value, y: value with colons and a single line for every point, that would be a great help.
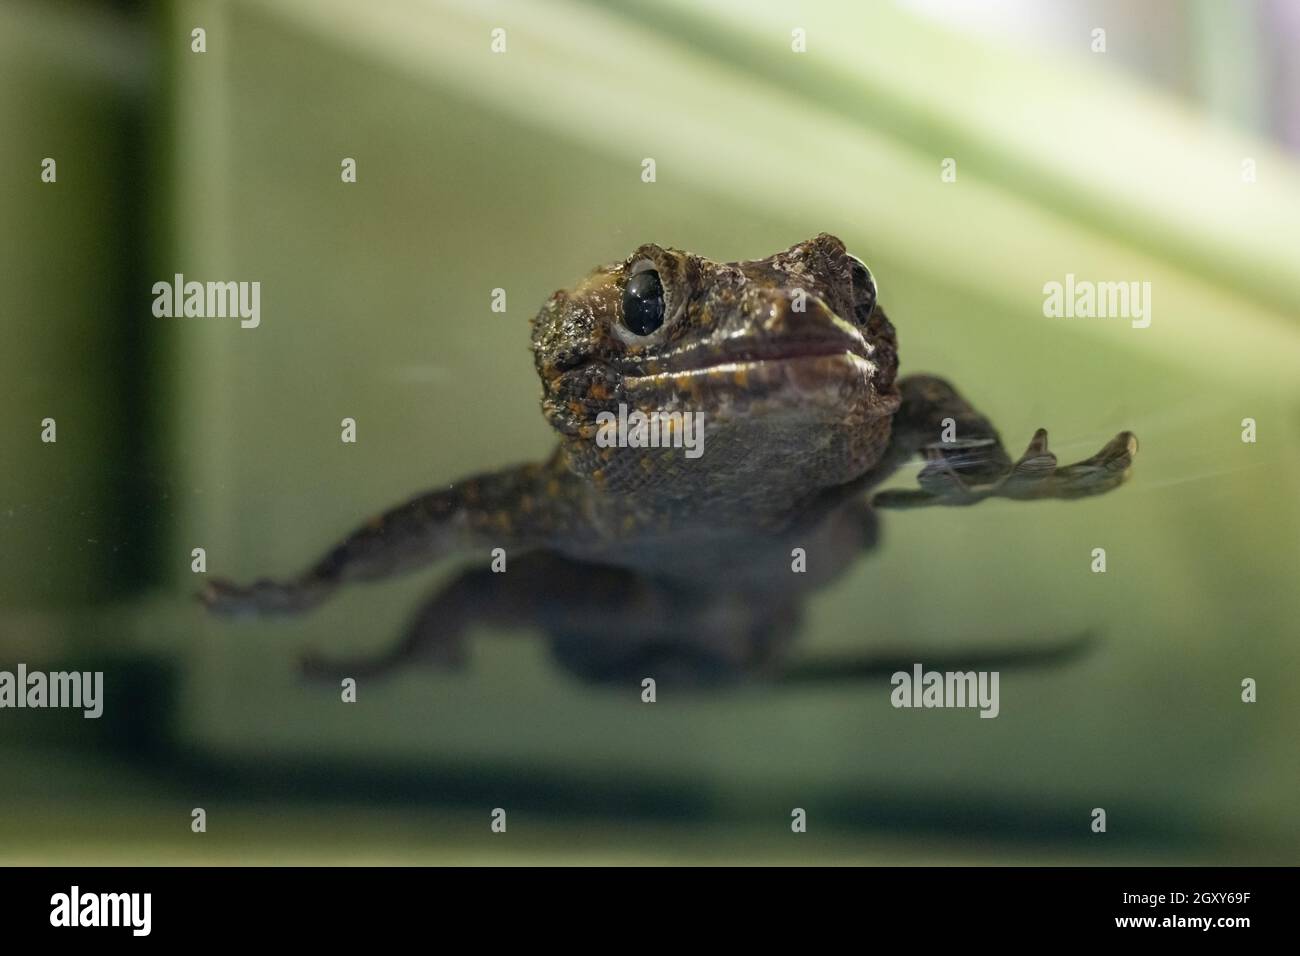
x: 955, y: 473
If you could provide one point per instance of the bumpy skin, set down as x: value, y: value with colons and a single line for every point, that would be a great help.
x: 643, y: 562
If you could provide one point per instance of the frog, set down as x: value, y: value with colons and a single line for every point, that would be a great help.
x: 637, y: 559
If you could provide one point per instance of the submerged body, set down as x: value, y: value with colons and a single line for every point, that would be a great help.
x: 637, y: 558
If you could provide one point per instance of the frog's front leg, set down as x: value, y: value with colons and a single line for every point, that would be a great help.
x: 516, y: 509
x: 973, y: 466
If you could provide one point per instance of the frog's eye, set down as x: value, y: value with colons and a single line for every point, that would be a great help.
x: 864, y: 289
x: 643, y: 300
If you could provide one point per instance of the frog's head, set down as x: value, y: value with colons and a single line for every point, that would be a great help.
x: 788, y: 358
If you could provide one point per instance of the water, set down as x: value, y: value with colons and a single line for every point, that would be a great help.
x: 376, y: 307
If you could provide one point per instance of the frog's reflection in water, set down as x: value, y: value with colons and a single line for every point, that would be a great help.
x: 616, y: 626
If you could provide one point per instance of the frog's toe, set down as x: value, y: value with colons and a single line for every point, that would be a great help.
x: 1107, y: 469
x: 940, y: 484
x: 1035, y: 467
x: 1037, y: 462
x: 940, y: 478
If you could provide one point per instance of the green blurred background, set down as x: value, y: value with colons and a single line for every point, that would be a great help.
x: 522, y: 170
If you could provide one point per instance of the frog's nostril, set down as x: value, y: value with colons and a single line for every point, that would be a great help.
x: 786, y: 311
x: 797, y: 314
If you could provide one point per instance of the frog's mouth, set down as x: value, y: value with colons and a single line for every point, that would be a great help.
x: 826, y: 379
x: 823, y: 359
